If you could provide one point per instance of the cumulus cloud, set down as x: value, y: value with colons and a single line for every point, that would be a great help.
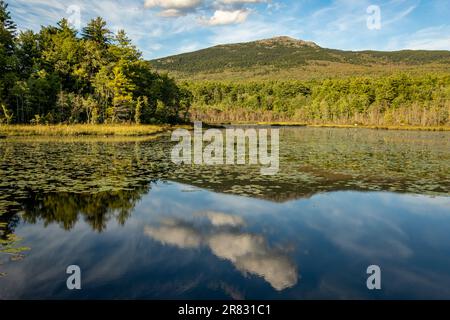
x: 240, y: 1
x: 173, y: 8
x: 172, y: 13
x: 172, y: 4
x: 224, y: 17
x: 249, y: 253
x: 223, y: 12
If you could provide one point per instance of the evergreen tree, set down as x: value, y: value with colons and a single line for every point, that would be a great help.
x: 7, y: 59
x: 97, y: 32
x: 7, y: 29
x: 122, y: 102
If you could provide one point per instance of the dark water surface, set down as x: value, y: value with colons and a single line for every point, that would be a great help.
x: 140, y: 227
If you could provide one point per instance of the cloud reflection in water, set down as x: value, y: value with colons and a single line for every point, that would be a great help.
x: 249, y: 253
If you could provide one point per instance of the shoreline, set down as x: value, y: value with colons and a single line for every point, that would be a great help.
x: 127, y: 130
x: 338, y: 126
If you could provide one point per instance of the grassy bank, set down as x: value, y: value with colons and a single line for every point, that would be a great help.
x: 81, y: 130
x: 124, y: 131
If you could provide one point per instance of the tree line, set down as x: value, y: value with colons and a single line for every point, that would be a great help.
x: 61, y: 76
x: 399, y: 99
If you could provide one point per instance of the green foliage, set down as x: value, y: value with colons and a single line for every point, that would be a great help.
x: 7, y: 58
x: 7, y: 116
x: 97, y: 32
x: 54, y: 76
x: 7, y: 28
x: 401, y: 99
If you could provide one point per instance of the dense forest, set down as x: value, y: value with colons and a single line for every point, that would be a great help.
x: 59, y: 76
x: 395, y: 100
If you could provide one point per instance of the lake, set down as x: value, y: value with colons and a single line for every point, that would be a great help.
x: 141, y: 227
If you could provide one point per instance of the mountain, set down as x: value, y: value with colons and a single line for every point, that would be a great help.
x: 285, y: 57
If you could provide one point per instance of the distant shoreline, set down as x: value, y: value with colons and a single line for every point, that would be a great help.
x: 343, y: 126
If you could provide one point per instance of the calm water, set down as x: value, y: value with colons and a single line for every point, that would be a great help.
x: 141, y: 227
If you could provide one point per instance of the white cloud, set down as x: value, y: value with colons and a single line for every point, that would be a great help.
x: 174, y: 8
x: 226, y: 11
x: 172, y: 13
x: 172, y: 4
x: 240, y: 1
x: 223, y: 17
x: 434, y: 38
x: 403, y: 14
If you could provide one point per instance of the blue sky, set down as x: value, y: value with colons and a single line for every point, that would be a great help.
x: 165, y: 27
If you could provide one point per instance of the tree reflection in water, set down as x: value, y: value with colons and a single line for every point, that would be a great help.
x: 96, y: 208
x: 64, y: 180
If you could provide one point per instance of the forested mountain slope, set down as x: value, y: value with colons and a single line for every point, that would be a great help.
x: 284, y: 57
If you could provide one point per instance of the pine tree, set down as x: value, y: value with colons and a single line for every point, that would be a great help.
x: 124, y: 49
x: 8, y: 29
x: 7, y: 59
x: 123, y: 98
x: 97, y: 31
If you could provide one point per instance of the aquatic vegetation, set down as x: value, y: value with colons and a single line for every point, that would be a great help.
x: 69, y: 190
x: 9, y: 245
x: 320, y: 160
x: 57, y: 180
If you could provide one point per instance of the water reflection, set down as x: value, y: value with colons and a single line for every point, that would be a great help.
x: 10, y: 243
x: 249, y: 253
x: 89, y: 200
x: 312, y: 161
x: 96, y: 209
x: 206, y: 245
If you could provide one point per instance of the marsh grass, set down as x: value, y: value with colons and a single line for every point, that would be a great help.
x: 122, y: 131
x: 82, y: 130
